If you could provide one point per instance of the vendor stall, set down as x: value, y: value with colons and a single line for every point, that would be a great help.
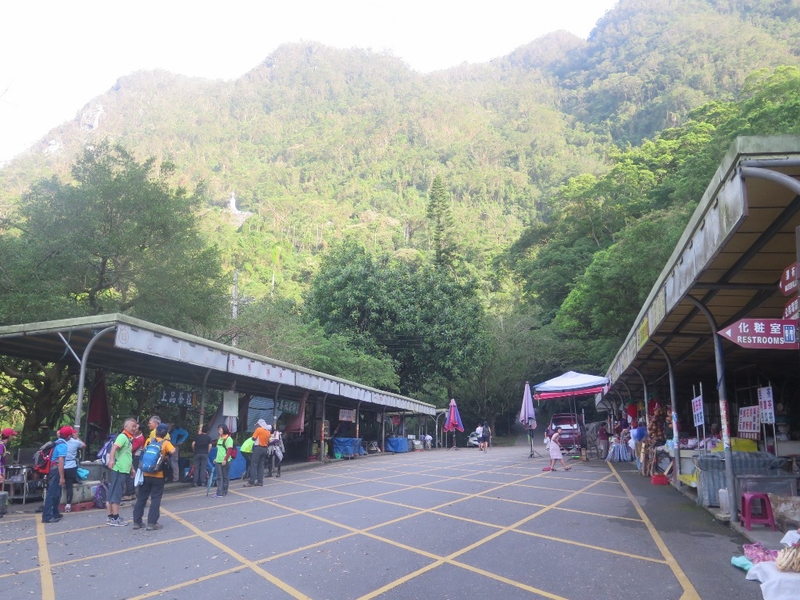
x: 347, y: 447
x: 396, y: 444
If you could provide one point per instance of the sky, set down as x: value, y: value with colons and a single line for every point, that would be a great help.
x: 56, y: 55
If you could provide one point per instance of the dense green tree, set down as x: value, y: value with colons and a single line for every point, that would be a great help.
x: 440, y: 217
x: 425, y: 319
x: 116, y: 238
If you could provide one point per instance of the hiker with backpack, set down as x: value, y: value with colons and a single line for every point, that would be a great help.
x: 74, y: 445
x: 226, y: 452
x: 55, y: 477
x: 156, y: 454
x: 120, y: 464
x: 5, y: 442
x: 275, y: 452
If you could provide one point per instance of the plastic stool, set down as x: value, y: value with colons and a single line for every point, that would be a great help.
x: 766, y: 510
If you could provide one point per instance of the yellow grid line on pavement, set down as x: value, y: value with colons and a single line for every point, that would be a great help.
x: 689, y: 592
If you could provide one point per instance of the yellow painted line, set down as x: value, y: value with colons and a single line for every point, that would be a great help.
x: 191, y: 582
x: 689, y: 593
x: 45, y: 574
x: 231, y: 552
x: 591, y: 547
x: 450, y: 558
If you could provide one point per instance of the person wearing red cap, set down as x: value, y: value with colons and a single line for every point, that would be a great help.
x: 74, y: 445
x: 56, y: 478
x: 5, y: 439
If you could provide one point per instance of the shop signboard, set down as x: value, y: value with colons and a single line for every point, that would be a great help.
x: 347, y: 414
x: 766, y: 405
x: 697, y: 411
x: 290, y: 407
x: 773, y: 334
x: 788, y: 282
x: 749, y: 424
x: 792, y: 310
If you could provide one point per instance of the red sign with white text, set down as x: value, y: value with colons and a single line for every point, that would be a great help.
x: 792, y: 310
x: 788, y: 282
x: 775, y: 334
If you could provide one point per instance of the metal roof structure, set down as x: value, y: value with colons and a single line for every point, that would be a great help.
x: 729, y: 262
x: 134, y: 347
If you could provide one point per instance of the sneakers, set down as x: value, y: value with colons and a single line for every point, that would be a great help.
x: 68, y: 508
x: 154, y: 527
x: 248, y: 484
x: 138, y: 525
x: 278, y: 474
x: 53, y: 520
x: 118, y: 522
x: 217, y: 496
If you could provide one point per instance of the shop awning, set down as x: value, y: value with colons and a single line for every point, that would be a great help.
x: 729, y: 260
x: 569, y: 385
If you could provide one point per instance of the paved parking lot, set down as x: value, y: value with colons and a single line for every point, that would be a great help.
x: 440, y: 524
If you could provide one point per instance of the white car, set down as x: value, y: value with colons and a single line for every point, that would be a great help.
x: 472, y: 440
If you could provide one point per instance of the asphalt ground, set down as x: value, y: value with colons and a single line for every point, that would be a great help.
x: 440, y: 524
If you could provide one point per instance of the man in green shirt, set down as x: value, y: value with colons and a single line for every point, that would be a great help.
x: 120, y: 465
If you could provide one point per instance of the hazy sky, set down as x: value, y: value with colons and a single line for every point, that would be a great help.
x: 56, y: 55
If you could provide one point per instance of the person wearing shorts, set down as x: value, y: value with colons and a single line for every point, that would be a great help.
x: 486, y: 433
x: 120, y: 466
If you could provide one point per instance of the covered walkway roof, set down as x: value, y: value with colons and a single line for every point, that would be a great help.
x: 730, y: 259
x: 135, y: 347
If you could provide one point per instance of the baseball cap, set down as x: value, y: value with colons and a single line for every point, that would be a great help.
x: 66, y: 431
x: 8, y: 432
x: 162, y: 429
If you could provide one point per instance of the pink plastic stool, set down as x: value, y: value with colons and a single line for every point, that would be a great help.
x: 766, y: 510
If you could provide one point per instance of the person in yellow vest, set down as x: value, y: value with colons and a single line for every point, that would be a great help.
x: 156, y: 450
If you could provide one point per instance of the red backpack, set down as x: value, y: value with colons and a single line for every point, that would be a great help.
x: 41, y: 458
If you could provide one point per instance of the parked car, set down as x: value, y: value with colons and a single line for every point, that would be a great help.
x: 570, y: 429
x: 472, y: 440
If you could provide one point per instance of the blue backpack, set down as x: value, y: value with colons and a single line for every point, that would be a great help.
x: 151, y: 457
x: 105, y: 451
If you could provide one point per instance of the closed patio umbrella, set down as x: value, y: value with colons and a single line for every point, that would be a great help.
x: 453, y: 421
x: 527, y: 416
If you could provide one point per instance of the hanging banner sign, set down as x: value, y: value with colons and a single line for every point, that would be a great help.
x: 346, y: 414
x: 766, y: 405
x: 697, y: 411
x: 291, y: 407
x: 792, y: 310
x: 788, y: 282
x: 775, y: 334
x: 230, y: 404
x: 749, y: 423
x: 178, y: 397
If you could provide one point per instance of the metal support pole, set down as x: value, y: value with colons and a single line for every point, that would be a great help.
x: 724, y: 417
x: 644, y: 393
x: 383, y: 430
x: 275, y: 409
x: 82, y: 376
x: 358, y: 412
x: 322, y: 431
x: 203, y: 399
x: 674, y: 408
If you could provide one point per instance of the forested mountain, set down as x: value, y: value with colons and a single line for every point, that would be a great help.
x: 568, y: 164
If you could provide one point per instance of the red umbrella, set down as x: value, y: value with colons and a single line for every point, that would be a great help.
x: 453, y: 421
